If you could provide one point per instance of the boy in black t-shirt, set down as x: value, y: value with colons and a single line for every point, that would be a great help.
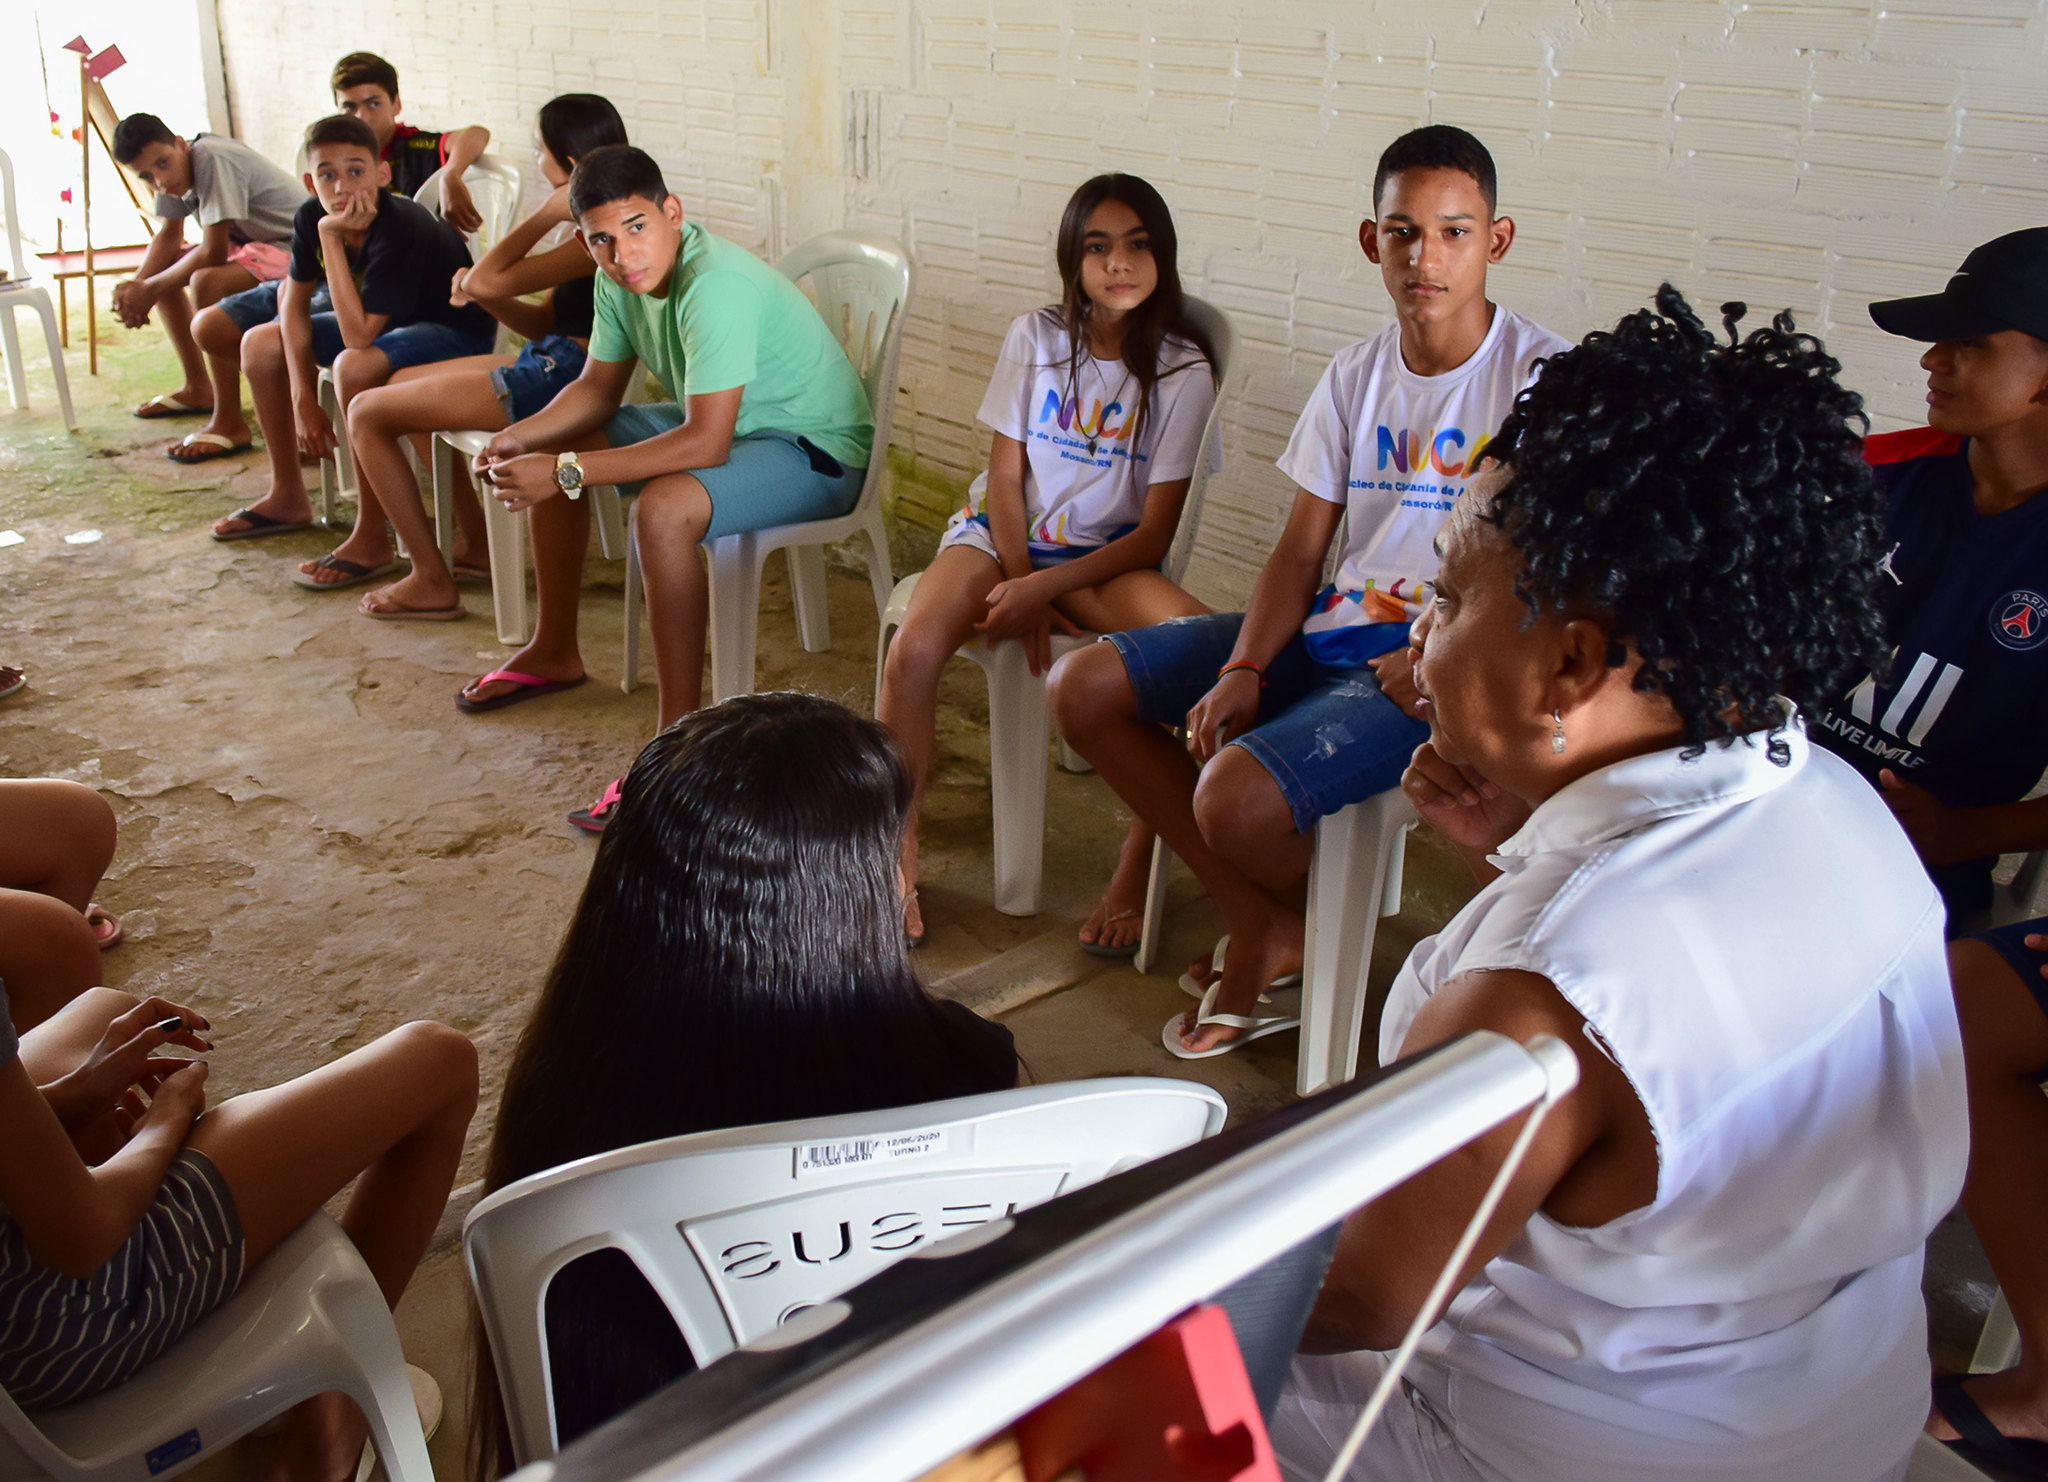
x: 366, y: 87
x: 367, y: 293
x: 1955, y: 730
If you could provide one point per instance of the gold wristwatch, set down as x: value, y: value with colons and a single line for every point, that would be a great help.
x: 569, y: 475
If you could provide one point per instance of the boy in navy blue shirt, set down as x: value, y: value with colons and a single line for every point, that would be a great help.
x: 1955, y: 732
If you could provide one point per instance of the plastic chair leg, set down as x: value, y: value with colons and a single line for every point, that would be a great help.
x: 1152, y: 928
x: 505, y: 535
x: 1347, y: 893
x: 17, y: 374
x: 807, y: 590
x: 880, y: 575
x: 630, y: 680
x: 735, y: 614
x: 1998, y: 1346
x: 607, y: 513
x: 359, y: 1315
x: 1017, y: 735
x: 444, y: 517
x: 888, y: 631
x: 330, y: 468
x: 50, y: 338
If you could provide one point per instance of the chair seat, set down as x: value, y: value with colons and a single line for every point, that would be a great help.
x: 301, y: 1324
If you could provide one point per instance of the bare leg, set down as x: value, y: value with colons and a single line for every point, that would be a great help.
x: 1137, y: 599
x: 394, y: 1112
x: 378, y: 421
x: 674, y: 513
x: 221, y: 340
x: 56, y: 838
x: 1153, y: 773
x: 560, y: 529
x: 951, y: 597
x: 56, y: 841
x: 2005, y: 1047
x: 270, y: 388
x: 47, y: 956
x: 174, y: 312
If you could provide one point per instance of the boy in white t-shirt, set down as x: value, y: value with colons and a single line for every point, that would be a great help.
x: 1303, y: 704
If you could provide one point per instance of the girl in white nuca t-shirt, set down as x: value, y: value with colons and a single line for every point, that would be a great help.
x: 1097, y: 405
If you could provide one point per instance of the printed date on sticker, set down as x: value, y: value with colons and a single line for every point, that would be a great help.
x: 865, y: 1152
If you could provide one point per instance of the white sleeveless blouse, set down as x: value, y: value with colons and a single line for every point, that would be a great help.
x: 1759, y: 950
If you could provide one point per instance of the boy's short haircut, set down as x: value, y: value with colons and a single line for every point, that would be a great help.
x: 612, y: 174
x: 136, y: 133
x: 340, y: 130
x: 1438, y: 147
x: 361, y: 67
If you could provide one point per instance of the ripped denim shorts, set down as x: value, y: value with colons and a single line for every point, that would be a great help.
x: 543, y: 368
x: 1328, y: 736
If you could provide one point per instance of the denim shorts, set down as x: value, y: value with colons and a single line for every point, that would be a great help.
x: 409, y: 344
x: 2010, y: 942
x: 768, y: 478
x: 543, y: 368
x: 1328, y: 736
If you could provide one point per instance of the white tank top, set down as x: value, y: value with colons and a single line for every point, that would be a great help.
x: 1759, y: 950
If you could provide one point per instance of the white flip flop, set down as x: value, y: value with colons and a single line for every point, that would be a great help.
x: 426, y: 1394
x: 1194, y: 989
x: 1254, y: 1027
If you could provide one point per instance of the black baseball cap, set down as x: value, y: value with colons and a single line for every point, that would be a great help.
x: 2001, y: 285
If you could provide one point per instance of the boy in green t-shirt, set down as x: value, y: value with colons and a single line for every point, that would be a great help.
x: 770, y: 427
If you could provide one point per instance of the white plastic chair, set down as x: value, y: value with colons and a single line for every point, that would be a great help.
x: 309, y: 1319
x: 1357, y: 862
x: 494, y: 185
x: 505, y: 530
x: 1018, y: 724
x: 1934, y: 1462
x: 862, y: 284
x: 19, y: 292
x: 739, y: 1230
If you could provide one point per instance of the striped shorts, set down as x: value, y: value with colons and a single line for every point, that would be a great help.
x: 64, y: 1340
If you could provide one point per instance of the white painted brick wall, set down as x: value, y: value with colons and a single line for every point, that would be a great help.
x: 1814, y: 154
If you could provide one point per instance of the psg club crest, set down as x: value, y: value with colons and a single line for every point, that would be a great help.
x: 2019, y: 620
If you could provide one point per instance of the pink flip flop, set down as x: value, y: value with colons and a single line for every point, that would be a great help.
x: 531, y: 687
x: 593, y: 819
x: 106, y: 926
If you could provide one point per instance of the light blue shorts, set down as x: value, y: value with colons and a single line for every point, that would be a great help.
x: 768, y: 478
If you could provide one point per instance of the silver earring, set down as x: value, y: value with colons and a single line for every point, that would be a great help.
x: 1557, y: 734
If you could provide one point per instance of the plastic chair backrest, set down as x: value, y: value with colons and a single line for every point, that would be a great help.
x: 1222, y: 337
x: 860, y: 282
x: 737, y: 1230
x: 14, y: 254
x: 494, y: 185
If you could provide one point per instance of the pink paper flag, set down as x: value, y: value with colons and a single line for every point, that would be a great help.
x: 107, y: 61
x: 77, y: 44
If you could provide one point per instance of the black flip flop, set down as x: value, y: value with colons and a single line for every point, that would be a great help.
x: 1982, y: 1442
x: 1128, y: 949
x: 261, y: 526
x: 353, y: 573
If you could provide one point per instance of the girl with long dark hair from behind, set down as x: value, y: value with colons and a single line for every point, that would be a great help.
x: 737, y: 958
x: 1097, y: 408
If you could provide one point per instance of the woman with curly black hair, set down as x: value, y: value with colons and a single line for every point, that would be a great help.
x: 1709, y: 1263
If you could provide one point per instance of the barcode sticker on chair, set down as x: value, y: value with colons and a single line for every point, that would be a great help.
x: 863, y: 1152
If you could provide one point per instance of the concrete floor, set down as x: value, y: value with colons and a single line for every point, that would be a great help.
x: 316, y: 846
